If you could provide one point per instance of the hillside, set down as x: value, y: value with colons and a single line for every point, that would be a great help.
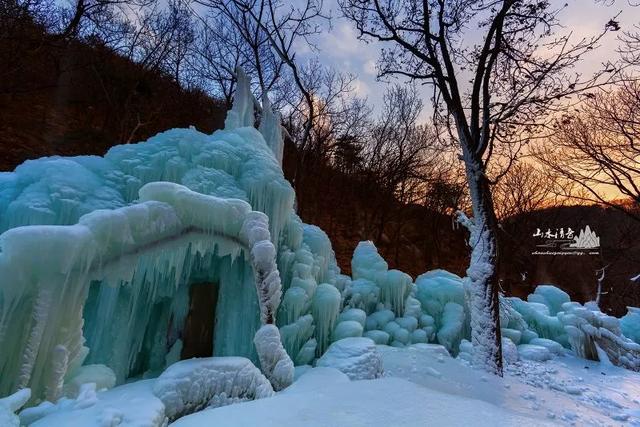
x: 71, y: 98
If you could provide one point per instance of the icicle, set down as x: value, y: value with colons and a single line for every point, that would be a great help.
x: 59, y: 363
x: 271, y: 129
x: 325, y: 310
x: 263, y: 259
x: 40, y: 313
x: 275, y: 362
x: 241, y: 114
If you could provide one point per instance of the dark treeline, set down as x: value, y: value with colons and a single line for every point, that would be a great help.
x: 71, y: 95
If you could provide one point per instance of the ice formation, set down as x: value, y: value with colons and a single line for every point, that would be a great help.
x: 10, y: 405
x: 99, y: 255
x: 110, y: 266
x: 355, y: 357
x: 274, y: 360
x: 191, y: 385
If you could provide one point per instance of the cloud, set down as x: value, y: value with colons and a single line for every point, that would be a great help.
x: 360, y: 88
x: 370, y: 67
x: 341, y: 41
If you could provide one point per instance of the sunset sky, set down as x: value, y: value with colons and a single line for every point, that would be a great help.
x: 341, y: 48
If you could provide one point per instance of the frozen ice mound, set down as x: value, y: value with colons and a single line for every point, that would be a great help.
x: 93, y: 283
x: 630, y: 324
x: 98, y: 256
x: 131, y: 404
x: 193, y: 384
x: 537, y: 353
x: 551, y: 297
x: 230, y: 164
x: 356, y: 357
x: 10, y: 405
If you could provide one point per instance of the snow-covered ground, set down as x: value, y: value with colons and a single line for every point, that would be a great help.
x: 422, y: 386
x: 565, y: 390
x: 323, y: 397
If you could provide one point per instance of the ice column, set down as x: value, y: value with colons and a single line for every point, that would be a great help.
x: 241, y: 114
x: 271, y: 129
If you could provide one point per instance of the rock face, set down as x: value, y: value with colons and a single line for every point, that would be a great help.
x: 356, y: 357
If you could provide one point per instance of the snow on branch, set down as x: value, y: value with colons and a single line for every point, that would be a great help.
x: 465, y: 221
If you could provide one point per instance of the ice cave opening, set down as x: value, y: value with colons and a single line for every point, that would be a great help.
x: 210, y: 309
x: 197, y: 336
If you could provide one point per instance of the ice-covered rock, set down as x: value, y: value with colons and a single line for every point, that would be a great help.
x: 550, y: 345
x: 355, y: 357
x: 379, y: 337
x: 275, y: 363
x: 10, y: 405
x: 347, y: 328
x: 191, y: 385
x: 354, y: 314
x: 537, y: 353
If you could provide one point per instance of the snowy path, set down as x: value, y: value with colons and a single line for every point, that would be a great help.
x: 565, y: 390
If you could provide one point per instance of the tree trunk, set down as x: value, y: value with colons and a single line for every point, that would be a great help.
x: 482, y: 274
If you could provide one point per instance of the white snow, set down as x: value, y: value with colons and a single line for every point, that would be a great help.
x: 274, y: 360
x: 131, y: 405
x: 566, y: 390
x: 191, y: 385
x: 324, y: 402
x: 356, y: 357
x: 422, y: 385
x: 10, y: 405
x: 534, y: 352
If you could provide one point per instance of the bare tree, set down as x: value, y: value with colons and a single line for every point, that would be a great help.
x: 85, y: 16
x: 336, y: 116
x: 269, y: 31
x: 519, y: 72
x: 218, y: 51
x: 595, y: 153
x: 399, y: 156
x: 524, y: 188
